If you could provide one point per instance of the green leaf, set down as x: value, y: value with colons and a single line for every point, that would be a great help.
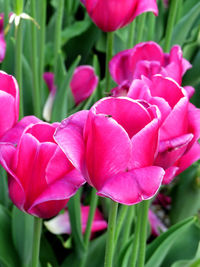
x: 22, y: 232
x: 47, y: 255
x: 186, y: 187
x: 74, y: 30
x: 158, y: 249
x: 8, y: 254
x: 184, y: 26
x: 60, y: 106
x: 4, y: 199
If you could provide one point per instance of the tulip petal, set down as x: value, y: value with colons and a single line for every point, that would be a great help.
x: 56, y: 195
x: 133, y: 186
x: 171, y: 150
x: 2, y: 39
x: 170, y: 173
x: 147, y: 139
x: 176, y: 124
x: 83, y: 83
x: 123, y: 65
x: 108, y: 149
x: 14, y: 134
x: 194, y: 122
x: 69, y: 136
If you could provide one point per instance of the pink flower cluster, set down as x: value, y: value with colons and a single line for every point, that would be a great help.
x: 125, y: 146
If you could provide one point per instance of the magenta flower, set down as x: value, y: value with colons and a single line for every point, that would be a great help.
x: 147, y: 59
x: 114, y: 149
x: 40, y: 178
x: 180, y: 123
x: 9, y: 100
x: 61, y: 223
x: 2, y: 38
x: 110, y: 15
x: 157, y: 227
x: 83, y: 83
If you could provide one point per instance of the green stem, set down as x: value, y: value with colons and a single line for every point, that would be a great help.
x: 18, y: 4
x: 120, y: 220
x: 179, y: 10
x: 170, y: 24
x: 18, y: 66
x: 109, y: 51
x: 36, y: 90
x: 6, y: 12
x: 42, y: 46
x: 140, y: 23
x: 110, y: 244
x: 93, y: 205
x: 129, y: 221
x: 131, y: 34
x: 136, y: 240
x: 36, y: 241
x: 143, y: 232
x: 151, y: 26
x: 57, y: 36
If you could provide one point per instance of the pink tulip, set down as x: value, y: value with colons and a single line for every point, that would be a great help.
x: 180, y: 123
x: 157, y: 227
x: 110, y: 15
x: 114, y: 148
x: 9, y: 100
x: 2, y: 38
x: 83, y: 83
x: 40, y: 178
x: 61, y: 223
x: 148, y: 59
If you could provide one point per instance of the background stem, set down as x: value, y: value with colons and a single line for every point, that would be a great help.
x: 109, y: 51
x: 36, y: 241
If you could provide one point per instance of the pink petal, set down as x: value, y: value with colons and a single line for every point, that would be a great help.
x: 56, y: 195
x: 194, y: 122
x: 189, y: 90
x: 123, y: 65
x: 83, y: 83
x: 133, y: 186
x: 171, y: 150
x: 69, y: 136
x: 123, y: 111
x: 170, y: 173
x: 147, y: 139
x: 49, y: 80
x: 189, y: 158
x: 2, y: 39
x: 156, y: 225
x: 176, y: 124
x: 108, y: 149
x: 14, y: 134
x: 112, y: 15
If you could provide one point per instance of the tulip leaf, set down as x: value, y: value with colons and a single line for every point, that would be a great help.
x: 4, y: 199
x: 60, y: 103
x: 8, y: 254
x: 75, y: 30
x: 22, y: 232
x: 158, y: 249
x: 47, y: 254
x: 184, y: 26
x: 185, y: 246
x: 187, y: 186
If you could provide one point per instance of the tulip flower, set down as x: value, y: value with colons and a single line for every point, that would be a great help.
x: 157, y: 227
x: 40, y: 178
x: 83, y: 83
x: 61, y: 223
x: 110, y: 15
x: 147, y: 59
x: 2, y: 38
x: 9, y: 102
x: 114, y: 148
x: 180, y: 123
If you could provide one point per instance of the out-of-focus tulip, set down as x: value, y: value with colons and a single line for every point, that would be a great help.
x: 40, y: 178
x: 61, y: 223
x: 84, y: 81
x: 9, y: 102
x: 2, y: 38
x: 148, y: 59
x: 180, y: 123
x: 157, y: 227
x: 110, y: 15
x: 114, y: 146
